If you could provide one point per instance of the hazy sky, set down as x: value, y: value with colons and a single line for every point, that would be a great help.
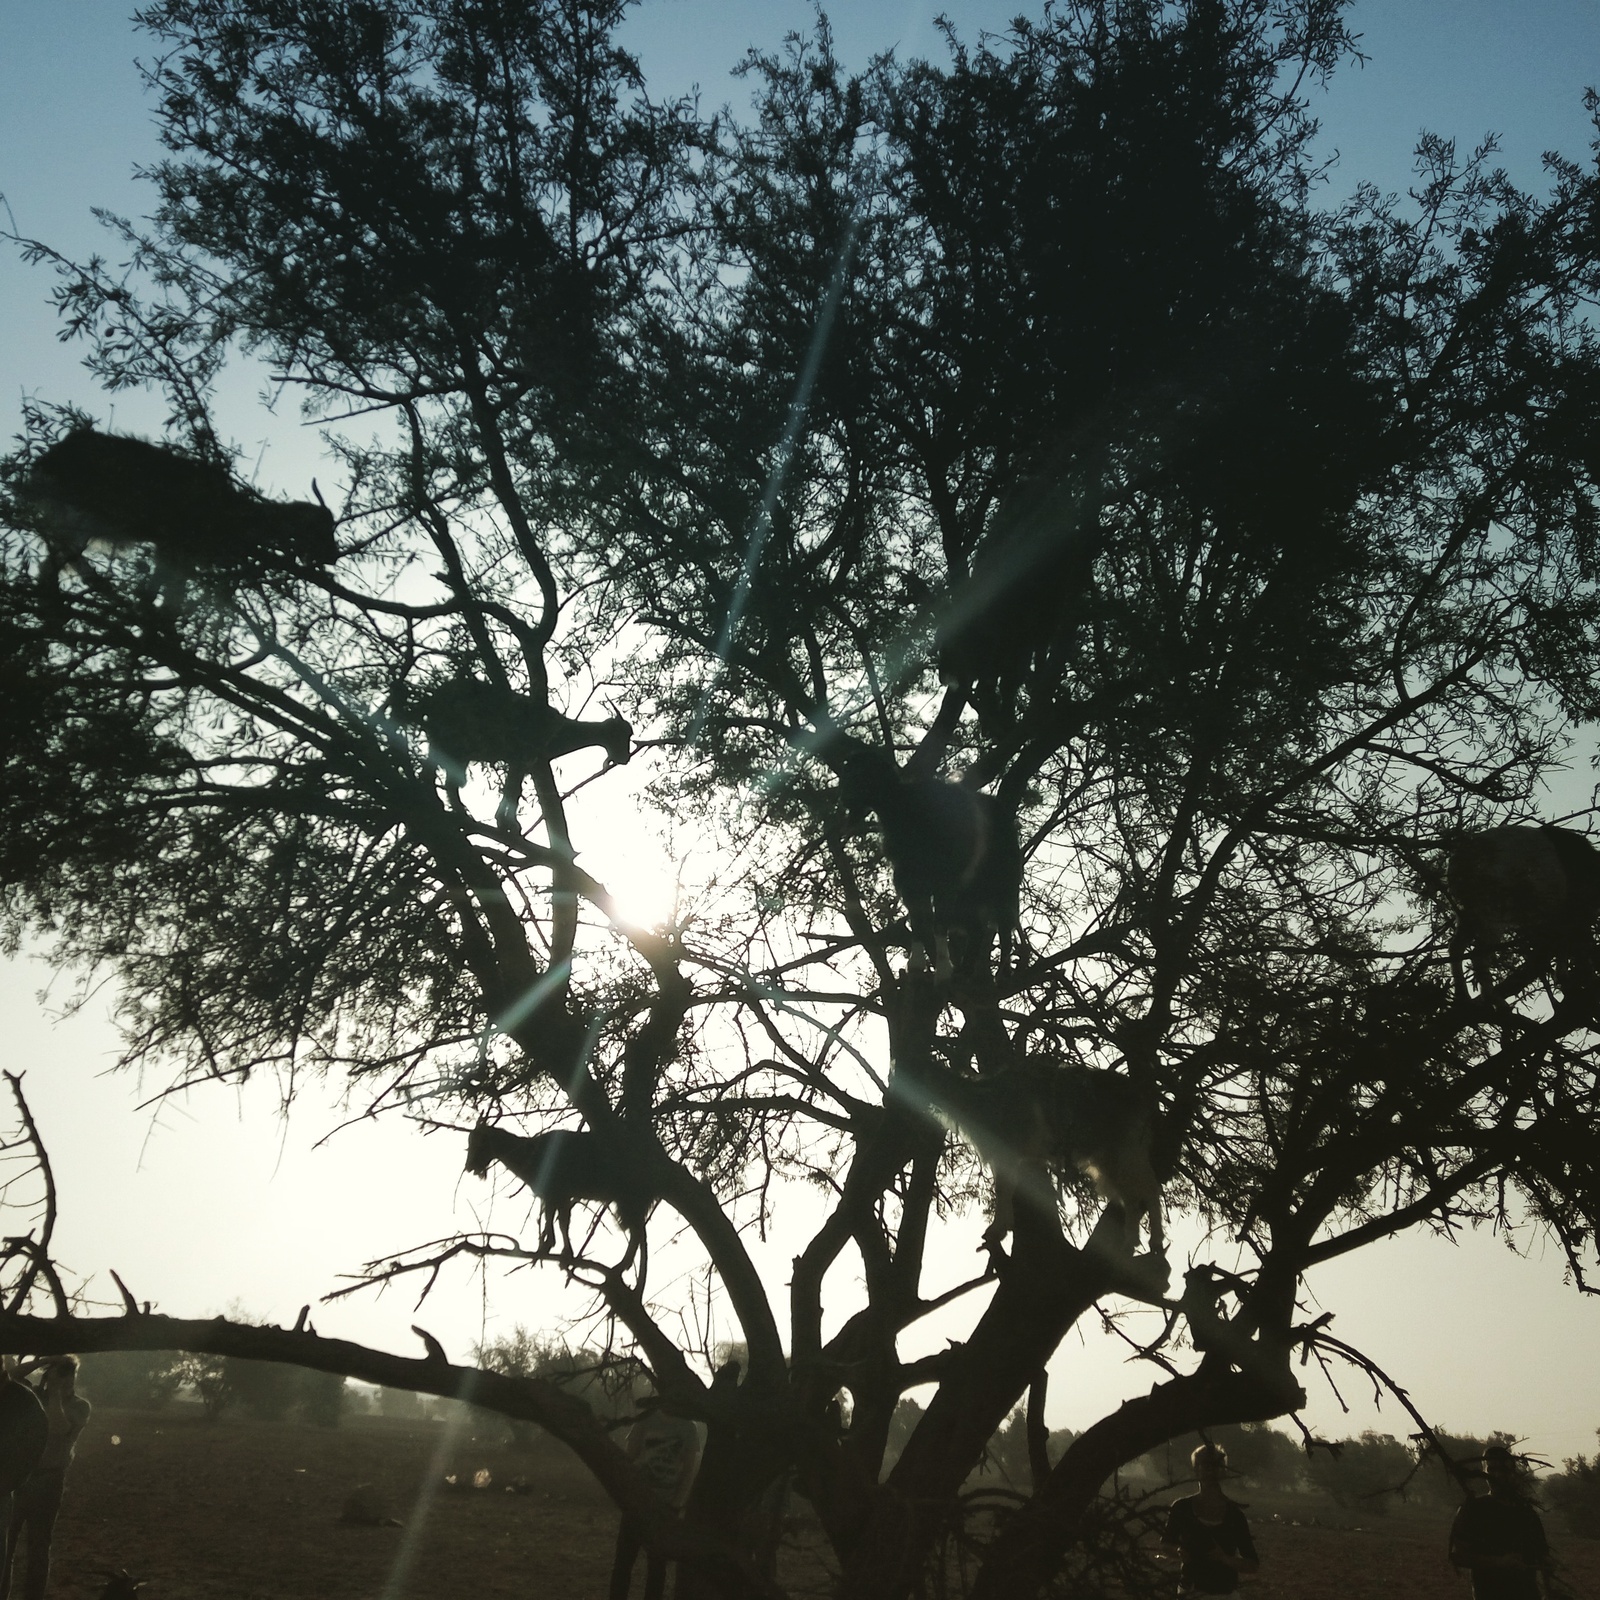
x: 216, y: 1199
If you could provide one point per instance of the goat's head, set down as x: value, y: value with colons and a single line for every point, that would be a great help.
x: 480, y: 1149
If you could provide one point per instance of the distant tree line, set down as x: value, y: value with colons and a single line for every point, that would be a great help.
x: 1370, y: 1473
x: 147, y: 1380
x: 1574, y: 1494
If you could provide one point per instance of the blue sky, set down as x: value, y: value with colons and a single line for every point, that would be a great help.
x: 199, y: 1202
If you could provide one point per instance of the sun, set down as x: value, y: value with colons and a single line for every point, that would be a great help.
x: 648, y: 894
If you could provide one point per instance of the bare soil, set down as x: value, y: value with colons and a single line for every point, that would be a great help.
x: 250, y: 1511
x: 1312, y: 1550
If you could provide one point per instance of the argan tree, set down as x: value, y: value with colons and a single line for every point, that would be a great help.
x: 1020, y: 423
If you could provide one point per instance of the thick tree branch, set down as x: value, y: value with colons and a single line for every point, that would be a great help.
x: 526, y: 1399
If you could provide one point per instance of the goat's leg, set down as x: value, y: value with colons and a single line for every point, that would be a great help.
x: 1458, y: 969
x: 1006, y: 938
x: 925, y: 941
x: 594, y: 1228
x: 1151, y: 1272
x: 1005, y: 1210
x: 1158, y: 1241
x: 636, y: 1244
x: 1141, y: 1189
x: 1576, y: 966
x: 564, y: 1214
x: 505, y: 813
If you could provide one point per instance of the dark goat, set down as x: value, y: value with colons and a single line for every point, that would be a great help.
x: 109, y: 488
x: 119, y: 1586
x: 467, y: 720
x: 953, y: 852
x: 1071, y: 1117
x: 1540, y: 884
x: 562, y: 1167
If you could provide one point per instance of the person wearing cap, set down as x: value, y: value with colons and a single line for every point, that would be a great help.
x: 1209, y: 1531
x: 38, y: 1497
x: 1498, y: 1537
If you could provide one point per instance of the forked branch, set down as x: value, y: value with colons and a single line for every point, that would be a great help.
x: 1320, y: 1340
x: 35, y: 1251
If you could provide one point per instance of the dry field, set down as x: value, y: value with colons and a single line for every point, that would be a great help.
x: 249, y: 1511
x: 1313, y: 1551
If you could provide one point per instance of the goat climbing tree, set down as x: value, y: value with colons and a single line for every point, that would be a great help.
x: 1019, y: 420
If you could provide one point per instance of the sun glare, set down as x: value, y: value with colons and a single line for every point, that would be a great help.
x: 647, y: 887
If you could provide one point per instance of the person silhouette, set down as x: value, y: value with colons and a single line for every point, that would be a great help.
x: 1209, y: 1531
x: 23, y: 1430
x: 1498, y: 1537
x: 37, y: 1498
x: 666, y: 1450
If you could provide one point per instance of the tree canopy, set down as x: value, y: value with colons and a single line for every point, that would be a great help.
x: 1019, y: 423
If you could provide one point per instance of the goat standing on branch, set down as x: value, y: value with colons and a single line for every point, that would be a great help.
x: 469, y: 721
x: 1076, y: 1119
x: 1540, y: 885
x: 562, y: 1167
x: 106, y: 488
x: 954, y: 855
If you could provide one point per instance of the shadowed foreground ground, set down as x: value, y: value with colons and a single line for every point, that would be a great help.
x: 249, y: 1511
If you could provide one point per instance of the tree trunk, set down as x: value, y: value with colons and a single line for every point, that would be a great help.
x: 1038, y: 1430
x: 737, y: 1498
x: 1044, y: 1289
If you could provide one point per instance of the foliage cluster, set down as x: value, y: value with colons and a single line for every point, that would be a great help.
x: 268, y: 1391
x: 1574, y: 1495
x: 1259, y: 1455
x: 609, y: 1389
x: 141, y: 1380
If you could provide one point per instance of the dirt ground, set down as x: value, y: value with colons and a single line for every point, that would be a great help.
x: 250, y: 1511
x: 1312, y: 1551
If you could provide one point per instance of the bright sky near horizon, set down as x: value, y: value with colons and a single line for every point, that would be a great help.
x: 214, y: 1199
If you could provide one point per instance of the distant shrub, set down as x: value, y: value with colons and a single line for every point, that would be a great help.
x: 610, y: 1388
x: 1376, y: 1462
x: 902, y: 1424
x: 142, y: 1380
x: 1007, y: 1452
x: 268, y: 1391
x: 208, y: 1377
x: 1363, y: 1471
x: 322, y: 1398
x: 1436, y: 1483
x: 1574, y: 1495
x: 1261, y: 1455
x: 401, y: 1403
x: 265, y: 1390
